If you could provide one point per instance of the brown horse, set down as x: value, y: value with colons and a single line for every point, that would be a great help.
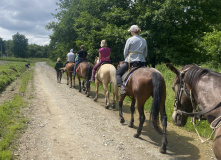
x: 69, y: 68
x: 106, y: 74
x: 194, y: 86
x: 84, y: 70
x: 143, y: 83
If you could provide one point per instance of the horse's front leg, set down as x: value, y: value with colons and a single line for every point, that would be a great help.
x: 97, y: 86
x: 120, y: 108
x: 132, y: 109
x: 83, y: 85
x: 141, y: 118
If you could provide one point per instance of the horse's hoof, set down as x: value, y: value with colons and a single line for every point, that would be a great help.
x: 95, y: 99
x: 107, y: 107
x: 79, y: 90
x: 136, y: 135
x: 122, y: 121
x: 113, y: 106
x: 87, y: 95
x: 163, y: 150
x: 131, y: 125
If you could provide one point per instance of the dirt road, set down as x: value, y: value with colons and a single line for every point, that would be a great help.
x: 66, y: 125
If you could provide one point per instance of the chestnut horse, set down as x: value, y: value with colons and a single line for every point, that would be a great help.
x: 143, y: 83
x: 106, y: 74
x: 84, y: 70
x: 69, y: 68
x: 195, y: 86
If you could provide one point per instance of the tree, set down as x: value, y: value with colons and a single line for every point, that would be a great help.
x: 19, y: 45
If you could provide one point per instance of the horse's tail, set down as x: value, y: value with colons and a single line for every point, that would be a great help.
x: 89, y: 72
x: 114, y: 80
x: 157, y: 95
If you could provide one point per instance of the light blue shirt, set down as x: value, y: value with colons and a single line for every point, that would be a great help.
x: 137, y: 46
x: 71, y: 57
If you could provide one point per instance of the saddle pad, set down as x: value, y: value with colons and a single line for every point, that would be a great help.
x: 127, y: 75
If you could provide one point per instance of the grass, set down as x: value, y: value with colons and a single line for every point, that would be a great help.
x: 12, y: 120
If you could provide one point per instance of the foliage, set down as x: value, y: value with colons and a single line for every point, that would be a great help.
x: 212, y: 47
x: 173, y: 29
x: 19, y: 45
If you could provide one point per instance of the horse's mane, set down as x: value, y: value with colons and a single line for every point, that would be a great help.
x: 194, y: 74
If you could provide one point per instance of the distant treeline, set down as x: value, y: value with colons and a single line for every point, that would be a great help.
x: 19, y: 47
x: 177, y: 31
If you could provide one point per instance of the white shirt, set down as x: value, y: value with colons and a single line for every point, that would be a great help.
x: 71, y: 57
x: 137, y: 46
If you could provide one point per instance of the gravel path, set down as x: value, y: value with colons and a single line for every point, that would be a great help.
x: 66, y: 125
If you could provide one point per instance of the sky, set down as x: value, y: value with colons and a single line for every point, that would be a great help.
x: 27, y: 17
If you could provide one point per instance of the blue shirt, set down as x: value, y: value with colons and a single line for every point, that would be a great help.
x: 137, y: 46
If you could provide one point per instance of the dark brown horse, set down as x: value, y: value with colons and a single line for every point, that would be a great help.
x: 195, y: 86
x: 143, y: 83
x: 69, y: 68
x: 84, y: 70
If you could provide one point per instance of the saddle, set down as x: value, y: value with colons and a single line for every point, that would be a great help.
x: 100, y: 67
x: 127, y: 74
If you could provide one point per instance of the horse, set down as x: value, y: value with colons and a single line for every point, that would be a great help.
x: 106, y: 74
x: 196, y: 86
x: 84, y: 70
x: 143, y: 83
x: 69, y: 68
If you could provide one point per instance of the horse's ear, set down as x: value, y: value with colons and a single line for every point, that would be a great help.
x: 173, y: 69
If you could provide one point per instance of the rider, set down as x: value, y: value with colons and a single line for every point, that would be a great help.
x: 82, y: 56
x: 70, y: 57
x: 104, y: 56
x: 135, y: 51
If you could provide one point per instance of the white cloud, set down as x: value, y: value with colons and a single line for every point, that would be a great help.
x: 27, y: 17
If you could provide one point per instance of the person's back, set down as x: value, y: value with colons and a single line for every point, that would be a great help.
x: 82, y: 54
x: 58, y: 65
x: 71, y: 57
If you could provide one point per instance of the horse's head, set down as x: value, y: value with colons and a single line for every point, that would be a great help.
x: 120, y: 64
x: 96, y: 60
x: 182, y: 101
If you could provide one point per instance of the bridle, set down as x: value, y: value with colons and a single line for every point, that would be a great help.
x: 195, y: 114
x: 183, y: 89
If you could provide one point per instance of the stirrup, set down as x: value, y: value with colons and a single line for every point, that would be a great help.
x: 122, y: 90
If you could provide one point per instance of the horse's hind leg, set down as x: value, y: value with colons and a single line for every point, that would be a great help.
x: 164, y: 135
x: 132, y: 109
x: 79, y: 84
x: 141, y: 118
x: 120, y: 108
x: 107, y: 98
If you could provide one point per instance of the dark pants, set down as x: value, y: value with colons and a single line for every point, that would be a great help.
x: 59, y: 75
x: 76, y: 64
x: 120, y: 73
x: 124, y: 67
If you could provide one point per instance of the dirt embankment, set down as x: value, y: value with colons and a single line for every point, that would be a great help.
x: 66, y: 125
